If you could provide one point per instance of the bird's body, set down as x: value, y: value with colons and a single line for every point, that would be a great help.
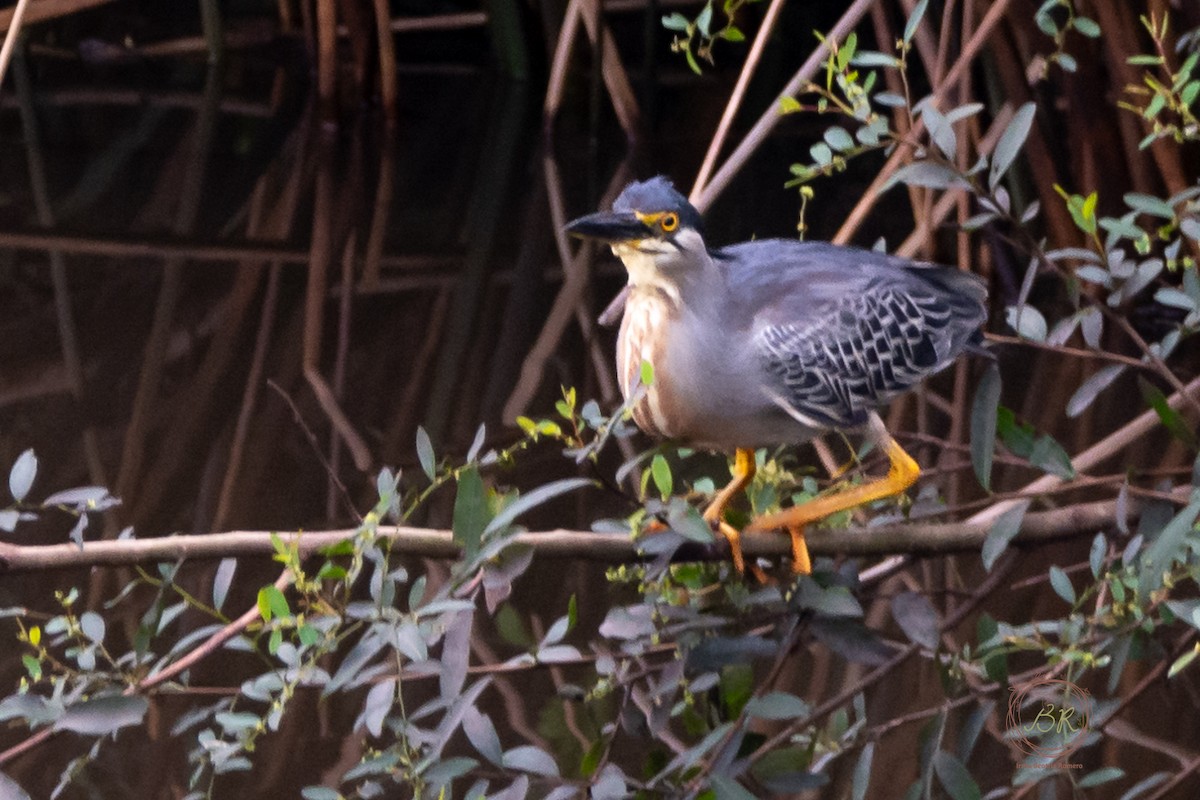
x: 819, y: 336
x: 772, y: 342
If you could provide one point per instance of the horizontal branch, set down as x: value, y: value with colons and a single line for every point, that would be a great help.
x: 915, y: 537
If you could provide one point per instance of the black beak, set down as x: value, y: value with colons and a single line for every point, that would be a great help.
x: 609, y: 226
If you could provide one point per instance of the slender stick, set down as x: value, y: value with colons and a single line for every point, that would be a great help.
x: 770, y: 118
x: 738, y: 94
x: 10, y: 39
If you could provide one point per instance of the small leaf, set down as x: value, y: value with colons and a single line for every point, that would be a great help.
x: 776, y: 705
x: 93, y: 627
x: 425, y: 453
x: 1181, y: 663
x: 862, y: 772
x: 534, y: 498
x: 1086, y: 394
x: 378, y: 705
x: 1087, y: 27
x: 675, y: 22
x: 272, y: 603
x: 954, y: 777
x: 1006, y: 526
x: 983, y: 425
x: 726, y: 788
x: 222, y: 581
x: 930, y: 174
x: 660, y: 470
x: 1149, y: 204
x: 20, y: 477
x: 100, y: 716
x: 821, y: 154
x: 470, y: 515
x: 917, y: 618
x: 839, y: 139
x: 646, y: 373
x: 914, y: 20
x: 1027, y: 321
x: 704, y: 20
x: 1061, y: 583
x: 481, y: 733
x: 941, y: 132
x: 477, y: 443
x: 534, y: 760
x: 1103, y: 775
x: 1096, y: 555
x: 1010, y: 142
x: 1169, y: 417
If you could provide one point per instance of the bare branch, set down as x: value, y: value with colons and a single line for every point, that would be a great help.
x: 915, y: 537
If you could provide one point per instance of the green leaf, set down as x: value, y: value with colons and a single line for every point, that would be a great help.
x: 726, y: 788
x: 531, y: 759
x: 914, y: 20
x: 789, y: 104
x: 222, y: 581
x: 873, y: 58
x: 862, y: 772
x: 660, y: 470
x: 1167, y: 546
x: 1086, y: 394
x: 647, y: 373
x: 675, y: 22
x: 530, y: 500
x: 100, y: 716
x: 930, y: 174
x: 736, y: 688
x: 1097, y: 553
x: 1086, y: 26
x: 1061, y: 583
x: 821, y: 154
x: 320, y: 793
x: 272, y: 603
x: 839, y: 139
x: 704, y: 20
x: 1181, y: 663
x: 941, y: 132
x: 425, y: 453
x: 20, y: 477
x: 954, y: 777
x: 1027, y: 321
x: 776, y: 705
x: 1103, y: 775
x: 1006, y: 526
x: 1149, y: 204
x: 1169, y: 417
x: 983, y: 425
x: 92, y: 625
x: 917, y: 618
x: 1010, y: 143
x: 470, y: 511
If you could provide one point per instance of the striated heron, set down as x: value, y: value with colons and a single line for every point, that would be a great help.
x: 775, y: 341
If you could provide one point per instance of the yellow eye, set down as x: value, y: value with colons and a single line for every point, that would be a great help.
x: 669, y: 222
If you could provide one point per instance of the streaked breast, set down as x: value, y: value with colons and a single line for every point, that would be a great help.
x: 643, y: 337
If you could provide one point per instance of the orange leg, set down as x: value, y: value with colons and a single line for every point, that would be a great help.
x: 743, y: 472
x: 902, y: 474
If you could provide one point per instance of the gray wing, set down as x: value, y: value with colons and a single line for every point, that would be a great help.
x: 851, y: 329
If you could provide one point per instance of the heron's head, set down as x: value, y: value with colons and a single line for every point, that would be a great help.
x: 653, y: 229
